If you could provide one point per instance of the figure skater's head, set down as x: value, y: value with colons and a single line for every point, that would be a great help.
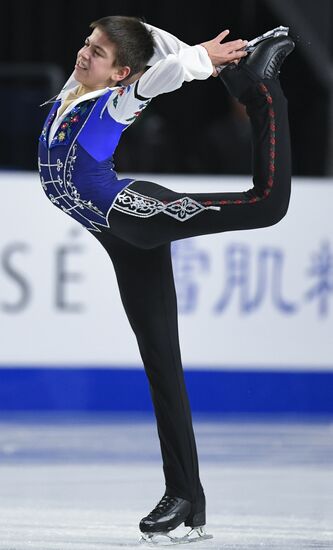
x: 117, y: 50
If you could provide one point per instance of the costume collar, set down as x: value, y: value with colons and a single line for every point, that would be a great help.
x: 71, y: 84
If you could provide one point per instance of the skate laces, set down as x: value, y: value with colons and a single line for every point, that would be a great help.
x: 163, y: 506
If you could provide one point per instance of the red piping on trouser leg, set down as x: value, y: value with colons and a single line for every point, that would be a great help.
x: 216, y: 205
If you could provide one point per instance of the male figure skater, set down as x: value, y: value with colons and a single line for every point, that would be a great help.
x: 135, y: 221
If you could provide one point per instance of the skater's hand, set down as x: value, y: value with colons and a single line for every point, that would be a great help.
x: 229, y: 52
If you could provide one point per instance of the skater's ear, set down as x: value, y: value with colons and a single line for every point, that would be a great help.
x: 120, y: 73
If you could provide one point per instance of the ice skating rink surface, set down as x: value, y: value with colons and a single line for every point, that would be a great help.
x: 83, y: 483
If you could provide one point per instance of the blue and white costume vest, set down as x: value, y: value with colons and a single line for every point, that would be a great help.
x: 76, y: 164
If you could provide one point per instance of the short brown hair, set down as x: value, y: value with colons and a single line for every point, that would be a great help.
x: 134, y: 42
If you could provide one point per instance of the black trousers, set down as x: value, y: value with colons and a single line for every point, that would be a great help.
x: 145, y: 219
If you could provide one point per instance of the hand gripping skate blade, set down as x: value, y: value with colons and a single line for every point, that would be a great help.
x: 196, y: 534
x: 251, y: 45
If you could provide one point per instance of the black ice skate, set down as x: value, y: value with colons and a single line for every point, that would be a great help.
x: 263, y: 63
x: 167, y: 515
x: 266, y: 59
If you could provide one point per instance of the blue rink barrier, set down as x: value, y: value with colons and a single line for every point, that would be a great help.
x: 126, y: 390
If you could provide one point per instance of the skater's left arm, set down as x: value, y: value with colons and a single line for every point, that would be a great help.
x: 165, y: 44
x: 189, y: 63
x: 169, y: 74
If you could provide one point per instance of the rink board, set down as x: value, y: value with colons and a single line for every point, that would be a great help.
x: 123, y: 390
x: 255, y: 309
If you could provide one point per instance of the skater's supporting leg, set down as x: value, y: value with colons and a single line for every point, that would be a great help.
x: 146, y: 285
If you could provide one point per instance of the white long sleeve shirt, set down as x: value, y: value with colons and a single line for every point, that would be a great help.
x: 173, y: 63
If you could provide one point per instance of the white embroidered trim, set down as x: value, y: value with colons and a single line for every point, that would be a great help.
x: 73, y: 190
x: 133, y: 203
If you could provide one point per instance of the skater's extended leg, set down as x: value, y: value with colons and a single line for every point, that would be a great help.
x: 147, y: 290
x: 148, y: 215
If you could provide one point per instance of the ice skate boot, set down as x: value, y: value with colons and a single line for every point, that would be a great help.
x: 263, y: 63
x: 167, y: 515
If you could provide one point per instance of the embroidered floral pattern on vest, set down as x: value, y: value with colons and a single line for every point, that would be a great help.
x: 65, y: 129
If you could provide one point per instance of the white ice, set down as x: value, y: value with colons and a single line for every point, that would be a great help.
x: 84, y: 484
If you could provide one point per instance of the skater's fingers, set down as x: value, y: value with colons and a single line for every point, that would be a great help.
x: 225, y: 52
x: 240, y: 53
x: 236, y: 44
x: 237, y: 55
x: 222, y: 35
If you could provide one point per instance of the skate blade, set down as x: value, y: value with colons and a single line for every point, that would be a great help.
x: 166, y: 539
x: 278, y: 31
x: 194, y: 535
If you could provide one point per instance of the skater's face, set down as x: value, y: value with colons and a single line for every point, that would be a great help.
x: 95, y: 66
